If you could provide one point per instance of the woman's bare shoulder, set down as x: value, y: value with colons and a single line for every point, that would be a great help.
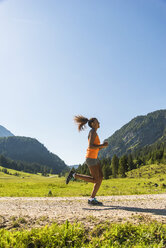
x: 92, y: 132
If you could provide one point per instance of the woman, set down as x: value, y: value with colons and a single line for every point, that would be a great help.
x: 91, y: 157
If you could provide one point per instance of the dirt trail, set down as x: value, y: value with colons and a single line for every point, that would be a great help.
x: 38, y: 211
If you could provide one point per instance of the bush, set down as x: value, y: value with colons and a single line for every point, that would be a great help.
x: 75, y: 235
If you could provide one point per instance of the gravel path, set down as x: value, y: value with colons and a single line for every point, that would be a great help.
x: 38, y: 211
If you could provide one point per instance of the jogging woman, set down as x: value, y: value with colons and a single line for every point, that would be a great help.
x: 91, y: 157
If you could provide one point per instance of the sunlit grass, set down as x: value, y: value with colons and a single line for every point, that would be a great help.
x: 76, y: 235
x: 30, y: 185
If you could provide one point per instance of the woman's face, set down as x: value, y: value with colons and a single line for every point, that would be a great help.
x: 96, y: 124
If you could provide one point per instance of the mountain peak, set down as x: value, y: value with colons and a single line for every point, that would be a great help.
x: 4, y: 132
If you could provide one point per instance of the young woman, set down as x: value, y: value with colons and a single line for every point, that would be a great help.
x: 91, y: 157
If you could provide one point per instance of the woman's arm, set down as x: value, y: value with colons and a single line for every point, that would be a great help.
x: 104, y: 145
x: 92, y: 136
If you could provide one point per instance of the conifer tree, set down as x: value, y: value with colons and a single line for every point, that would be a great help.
x: 130, y: 163
x: 122, y: 166
x: 115, y: 166
x: 106, y: 171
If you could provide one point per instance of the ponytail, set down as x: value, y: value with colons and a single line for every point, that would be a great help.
x: 81, y: 121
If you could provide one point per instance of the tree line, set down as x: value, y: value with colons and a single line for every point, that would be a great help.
x: 118, y: 166
x: 31, y: 152
x: 115, y: 167
x: 24, y: 166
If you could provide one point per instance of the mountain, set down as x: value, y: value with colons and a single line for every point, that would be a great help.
x: 74, y: 166
x: 139, y: 132
x: 4, y: 132
x: 30, y: 150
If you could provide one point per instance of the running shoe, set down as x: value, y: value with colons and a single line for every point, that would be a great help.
x: 95, y: 202
x: 70, y: 176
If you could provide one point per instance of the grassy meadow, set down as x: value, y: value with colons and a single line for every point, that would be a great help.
x: 146, y: 180
x: 76, y: 235
x: 145, y: 234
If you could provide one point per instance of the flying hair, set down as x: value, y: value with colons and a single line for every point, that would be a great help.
x: 81, y: 121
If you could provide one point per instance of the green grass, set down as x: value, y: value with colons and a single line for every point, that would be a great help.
x: 146, y: 180
x: 140, y: 181
x: 149, y: 171
x: 76, y: 235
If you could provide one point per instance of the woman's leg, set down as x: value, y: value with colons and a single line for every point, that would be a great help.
x: 100, y: 172
x: 97, y: 177
x: 97, y: 174
x: 85, y: 178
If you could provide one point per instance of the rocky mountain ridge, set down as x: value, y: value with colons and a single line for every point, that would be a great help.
x: 139, y: 132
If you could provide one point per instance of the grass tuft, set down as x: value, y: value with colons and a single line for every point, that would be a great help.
x: 76, y: 235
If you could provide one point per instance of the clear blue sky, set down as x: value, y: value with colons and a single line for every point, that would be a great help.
x: 60, y: 58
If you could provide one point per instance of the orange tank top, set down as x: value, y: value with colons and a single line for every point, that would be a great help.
x: 93, y: 153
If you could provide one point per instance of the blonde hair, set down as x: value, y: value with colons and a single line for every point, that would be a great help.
x: 81, y: 121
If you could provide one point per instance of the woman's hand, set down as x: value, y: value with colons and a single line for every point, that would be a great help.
x: 105, y: 144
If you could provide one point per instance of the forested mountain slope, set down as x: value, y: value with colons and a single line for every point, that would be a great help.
x: 30, y: 150
x: 140, y: 132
